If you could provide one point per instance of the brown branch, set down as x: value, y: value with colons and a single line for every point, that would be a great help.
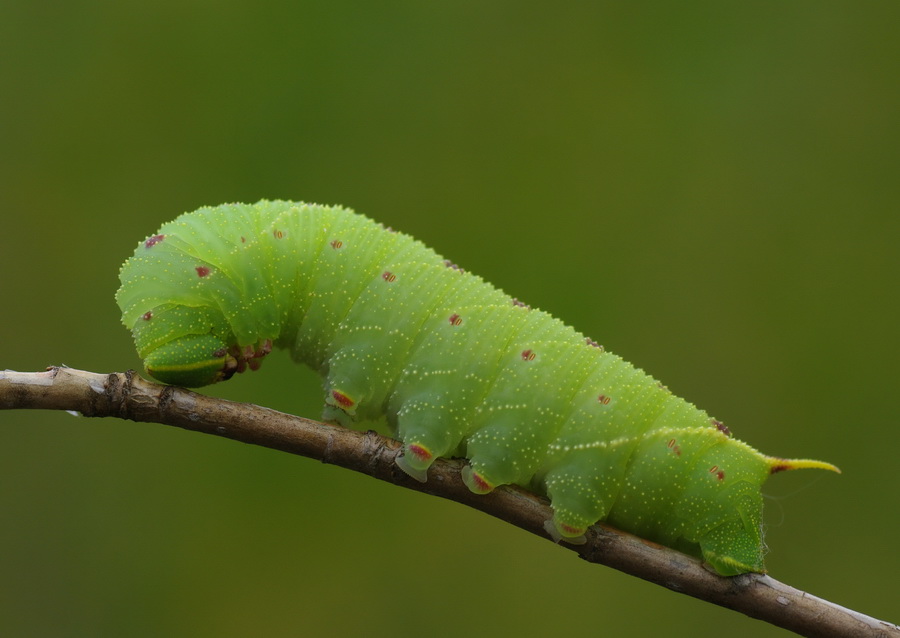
x: 128, y: 396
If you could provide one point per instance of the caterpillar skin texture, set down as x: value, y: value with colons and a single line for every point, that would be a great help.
x: 456, y: 366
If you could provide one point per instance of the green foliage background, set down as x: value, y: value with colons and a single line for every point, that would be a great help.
x: 708, y: 189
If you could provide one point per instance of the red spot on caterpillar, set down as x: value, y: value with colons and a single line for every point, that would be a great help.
x: 202, y: 271
x: 528, y: 355
x: 147, y: 316
x: 482, y: 484
x: 720, y: 474
x: 673, y: 445
x: 388, y: 276
x: 336, y: 243
x: 277, y: 234
x: 781, y: 467
x: 605, y: 401
x: 521, y: 304
x: 419, y: 451
x: 593, y: 343
x: 342, y: 399
x: 152, y: 241
x: 574, y: 531
x: 721, y: 427
x: 455, y: 320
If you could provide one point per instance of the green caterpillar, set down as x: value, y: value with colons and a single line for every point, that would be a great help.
x: 455, y: 365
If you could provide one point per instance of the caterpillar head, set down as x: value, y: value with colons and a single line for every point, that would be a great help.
x: 193, y: 346
x: 190, y: 361
x: 181, y: 346
x: 184, y: 345
x: 182, y: 310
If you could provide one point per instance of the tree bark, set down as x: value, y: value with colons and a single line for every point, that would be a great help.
x: 128, y: 396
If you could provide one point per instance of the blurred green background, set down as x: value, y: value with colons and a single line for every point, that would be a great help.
x: 708, y: 189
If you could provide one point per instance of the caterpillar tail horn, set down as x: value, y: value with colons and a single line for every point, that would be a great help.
x: 782, y: 465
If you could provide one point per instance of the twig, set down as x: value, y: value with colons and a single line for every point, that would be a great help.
x: 128, y: 396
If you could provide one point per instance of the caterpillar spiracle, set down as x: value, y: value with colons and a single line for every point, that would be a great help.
x: 457, y: 367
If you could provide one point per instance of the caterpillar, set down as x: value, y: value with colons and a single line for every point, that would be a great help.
x: 456, y: 366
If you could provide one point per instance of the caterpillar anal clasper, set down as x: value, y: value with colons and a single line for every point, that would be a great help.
x: 457, y: 367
